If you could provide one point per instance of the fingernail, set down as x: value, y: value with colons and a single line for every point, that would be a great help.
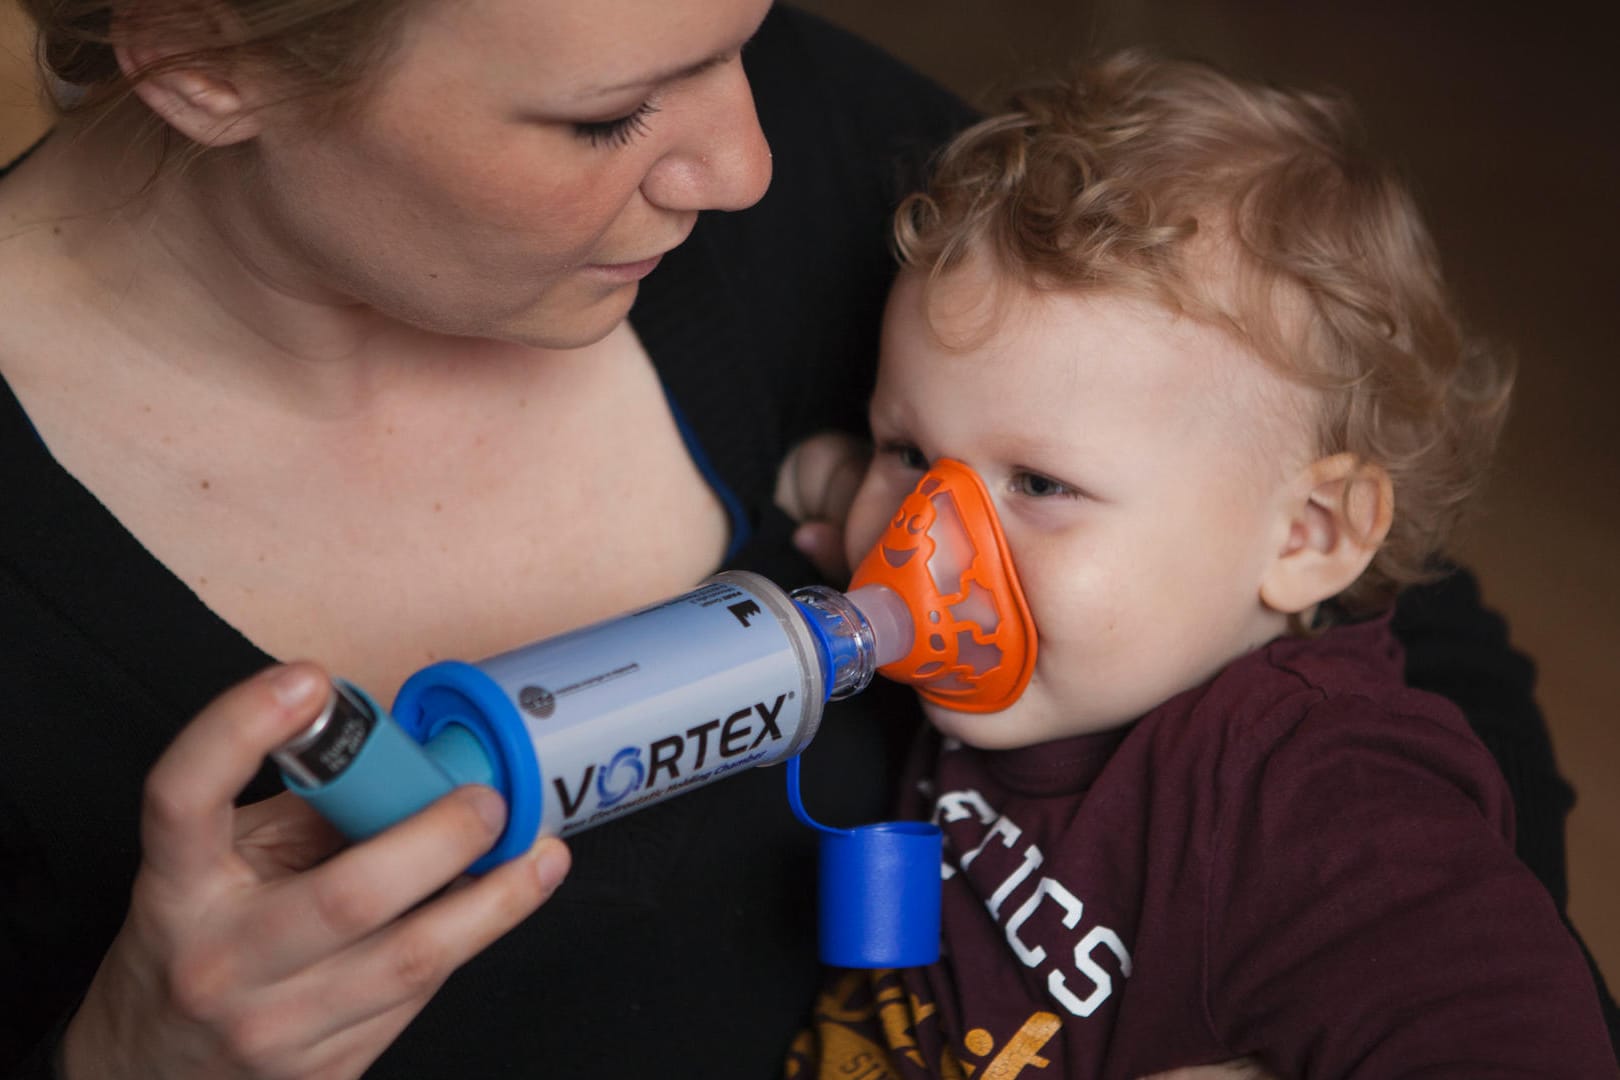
x: 293, y: 685
x: 551, y: 862
x: 490, y: 807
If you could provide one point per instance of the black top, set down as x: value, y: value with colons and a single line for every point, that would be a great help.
x: 682, y: 943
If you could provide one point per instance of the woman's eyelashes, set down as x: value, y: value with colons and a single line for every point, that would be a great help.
x: 618, y: 131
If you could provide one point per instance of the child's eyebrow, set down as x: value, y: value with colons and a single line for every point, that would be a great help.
x: 890, y: 412
x: 1032, y: 447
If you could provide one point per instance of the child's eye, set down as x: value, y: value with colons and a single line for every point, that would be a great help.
x: 618, y: 131
x: 907, y: 455
x: 1041, y: 487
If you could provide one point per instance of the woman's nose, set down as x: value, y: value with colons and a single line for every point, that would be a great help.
x: 723, y: 162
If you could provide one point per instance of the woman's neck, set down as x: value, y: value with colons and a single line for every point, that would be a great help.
x: 183, y: 269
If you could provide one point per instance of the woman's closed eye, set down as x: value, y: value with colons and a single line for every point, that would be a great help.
x: 618, y: 131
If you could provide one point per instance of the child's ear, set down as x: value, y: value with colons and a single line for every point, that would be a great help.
x: 1337, y: 515
x: 203, y: 101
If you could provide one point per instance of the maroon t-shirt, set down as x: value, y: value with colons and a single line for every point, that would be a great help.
x: 1302, y: 860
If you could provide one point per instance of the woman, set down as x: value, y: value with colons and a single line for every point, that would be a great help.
x: 356, y: 379
x: 343, y: 369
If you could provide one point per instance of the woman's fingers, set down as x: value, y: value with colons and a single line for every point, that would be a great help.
x: 247, y: 951
x: 403, y: 964
x: 187, y: 820
x: 416, y: 953
x: 348, y: 1053
x: 356, y: 892
x: 283, y: 835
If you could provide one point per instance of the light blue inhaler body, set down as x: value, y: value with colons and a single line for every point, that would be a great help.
x: 364, y: 773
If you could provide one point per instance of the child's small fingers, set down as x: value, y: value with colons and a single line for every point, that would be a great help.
x: 823, y: 544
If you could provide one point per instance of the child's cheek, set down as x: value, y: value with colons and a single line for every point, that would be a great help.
x: 1068, y: 597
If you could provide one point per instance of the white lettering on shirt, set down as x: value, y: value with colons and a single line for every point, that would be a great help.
x: 958, y: 806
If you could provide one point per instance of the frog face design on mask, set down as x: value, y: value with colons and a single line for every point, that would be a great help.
x: 943, y: 552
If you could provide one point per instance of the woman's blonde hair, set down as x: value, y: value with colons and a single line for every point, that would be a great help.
x: 1129, y: 174
x: 324, y: 50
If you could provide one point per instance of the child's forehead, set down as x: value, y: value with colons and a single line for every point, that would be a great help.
x: 1135, y: 350
x: 1206, y: 275
x: 972, y: 306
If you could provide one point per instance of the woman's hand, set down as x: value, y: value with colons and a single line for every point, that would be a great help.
x: 815, y: 485
x: 246, y: 955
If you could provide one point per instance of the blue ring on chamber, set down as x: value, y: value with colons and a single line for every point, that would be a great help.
x: 455, y: 692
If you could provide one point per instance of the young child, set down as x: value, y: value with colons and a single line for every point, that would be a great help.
x: 1196, y: 345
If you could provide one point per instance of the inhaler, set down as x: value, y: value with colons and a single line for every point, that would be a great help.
x: 582, y: 728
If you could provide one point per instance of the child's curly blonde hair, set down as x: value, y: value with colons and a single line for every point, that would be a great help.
x: 1144, y: 174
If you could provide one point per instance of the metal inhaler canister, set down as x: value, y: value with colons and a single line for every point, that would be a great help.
x: 362, y: 771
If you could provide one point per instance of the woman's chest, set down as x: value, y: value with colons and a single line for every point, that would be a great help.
x: 377, y: 585
x: 451, y: 525
x: 502, y: 544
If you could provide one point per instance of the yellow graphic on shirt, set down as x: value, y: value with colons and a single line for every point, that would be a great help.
x: 1020, y: 1050
x: 869, y: 1027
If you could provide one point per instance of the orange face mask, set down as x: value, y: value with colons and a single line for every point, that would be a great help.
x: 973, y: 646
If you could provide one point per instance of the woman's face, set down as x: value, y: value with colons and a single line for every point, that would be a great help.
x: 516, y: 168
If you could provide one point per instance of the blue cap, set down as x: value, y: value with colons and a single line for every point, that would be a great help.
x: 880, y: 895
x: 879, y: 892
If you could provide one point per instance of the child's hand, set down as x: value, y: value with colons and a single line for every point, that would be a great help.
x: 815, y: 486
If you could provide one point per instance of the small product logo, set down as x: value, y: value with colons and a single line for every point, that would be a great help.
x: 626, y: 772
x: 537, y: 701
x: 744, y: 610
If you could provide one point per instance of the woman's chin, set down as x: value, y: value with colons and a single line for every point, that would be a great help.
x: 575, y: 325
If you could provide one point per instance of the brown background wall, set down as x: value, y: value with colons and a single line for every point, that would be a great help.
x: 1506, y: 119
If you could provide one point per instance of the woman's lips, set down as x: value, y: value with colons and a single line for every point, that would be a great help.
x: 625, y: 272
